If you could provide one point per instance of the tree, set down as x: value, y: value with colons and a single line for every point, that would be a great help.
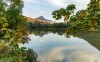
x: 71, y: 8
x: 12, y: 32
x: 56, y: 14
x: 88, y: 19
x: 64, y: 13
x: 81, y: 15
x: 94, y: 13
x: 14, y: 13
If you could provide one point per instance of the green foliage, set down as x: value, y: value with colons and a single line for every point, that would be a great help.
x: 88, y: 19
x: 64, y: 13
x: 12, y: 31
x: 56, y: 14
x: 13, y: 54
x: 71, y: 8
x: 94, y: 12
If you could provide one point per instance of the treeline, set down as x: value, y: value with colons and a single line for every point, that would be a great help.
x: 36, y: 25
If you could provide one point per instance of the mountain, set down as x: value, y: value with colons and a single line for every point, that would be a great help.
x: 29, y: 19
x: 42, y: 18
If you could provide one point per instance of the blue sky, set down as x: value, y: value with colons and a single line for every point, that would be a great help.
x: 36, y: 8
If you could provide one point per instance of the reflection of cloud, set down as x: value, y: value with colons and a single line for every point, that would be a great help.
x: 70, y: 54
x: 41, y: 40
x: 52, y: 55
x: 82, y: 56
x: 57, y: 48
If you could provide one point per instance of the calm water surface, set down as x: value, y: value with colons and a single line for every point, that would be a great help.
x: 59, y: 48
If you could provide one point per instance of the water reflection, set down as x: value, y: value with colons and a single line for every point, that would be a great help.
x: 57, y: 48
x: 92, y: 37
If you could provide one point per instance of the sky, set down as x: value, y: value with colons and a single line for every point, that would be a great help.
x: 36, y: 8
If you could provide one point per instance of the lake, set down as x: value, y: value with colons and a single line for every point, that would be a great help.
x: 54, y: 46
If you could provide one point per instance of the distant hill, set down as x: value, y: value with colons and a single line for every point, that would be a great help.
x: 40, y: 19
x: 29, y: 19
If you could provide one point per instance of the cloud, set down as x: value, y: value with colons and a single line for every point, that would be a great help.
x: 42, y: 12
x: 30, y: 1
x: 85, y: 2
x: 81, y: 4
x: 58, y: 3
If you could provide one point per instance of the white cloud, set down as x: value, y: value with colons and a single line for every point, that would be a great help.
x: 64, y: 3
x: 85, y: 2
x: 42, y: 12
x: 30, y: 1
x: 58, y: 3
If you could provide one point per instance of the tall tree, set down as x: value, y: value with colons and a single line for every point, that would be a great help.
x: 64, y: 13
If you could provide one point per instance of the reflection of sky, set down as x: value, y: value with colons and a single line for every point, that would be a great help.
x: 57, y: 48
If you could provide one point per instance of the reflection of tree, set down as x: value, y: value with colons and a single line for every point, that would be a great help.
x: 38, y: 32
x: 42, y: 32
x: 92, y: 37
